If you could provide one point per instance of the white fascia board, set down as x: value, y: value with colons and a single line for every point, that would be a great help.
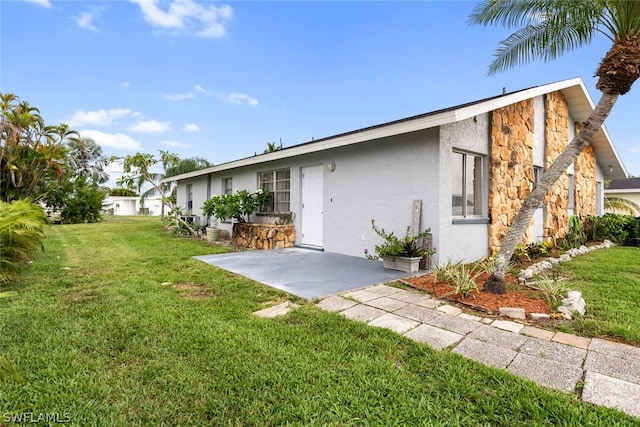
x: 622, y: 190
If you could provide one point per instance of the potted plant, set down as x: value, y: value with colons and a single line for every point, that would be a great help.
x: 403, y: 254
x: 211, y: 210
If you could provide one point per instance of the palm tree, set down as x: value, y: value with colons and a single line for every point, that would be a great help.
x: 619, y: 204
x: 546, y: 29
x: 85, y: 158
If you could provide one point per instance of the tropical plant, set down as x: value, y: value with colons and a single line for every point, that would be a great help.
x: 239, y: 205
x: 170, y: 170
x: 620, y: 204
x: 547, y: 29
x: 137, y: 168
x: 614, y: 227
x: 464, y: 278
x: 551, y: 285
x: 6, y: 368
x: 443, y: 272
x: 575, y: 236
x: 21, y: 233
x: 271, y: 147
x: 394, y: 246
x: 31, y: 154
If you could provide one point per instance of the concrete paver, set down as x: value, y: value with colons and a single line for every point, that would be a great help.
x: 434, y: 337
x: 571, y: 339
x: 454, y: 323
x: 419, y: 313
x: 531, y: 331
x: 612, y: 392
x: 336, y: 303
x: 556, y: 360
x: 548, y: 373
x: 449, y: 309
x: 484, y: 352
x: 386, y: 303
x: 276, y: 310
x: 549, y: 350
x: 508, y: 325
x: 396, y: 323
x: 613, y: 366
x: 363, y: 313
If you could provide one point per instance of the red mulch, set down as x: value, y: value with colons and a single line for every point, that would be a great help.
x: 517, y: 296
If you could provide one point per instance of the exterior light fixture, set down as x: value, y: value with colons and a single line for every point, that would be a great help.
x: 610, y: 168
x: 331, y: 166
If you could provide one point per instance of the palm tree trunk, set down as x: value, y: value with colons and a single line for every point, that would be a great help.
x: 495, y: 283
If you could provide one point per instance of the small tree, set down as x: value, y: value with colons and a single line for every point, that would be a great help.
x: 137, y: 168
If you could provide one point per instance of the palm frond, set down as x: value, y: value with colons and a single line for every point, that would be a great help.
x: 621, y: 204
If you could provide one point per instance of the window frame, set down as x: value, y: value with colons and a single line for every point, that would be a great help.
x: 227, y: 189
x: 478, y: 188
x: 278, y: 195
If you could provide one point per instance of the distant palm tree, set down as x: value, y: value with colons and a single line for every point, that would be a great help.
x: 547, y: 29
x: 271, y: 147
x: 619, y: 204
x: 85, y: 158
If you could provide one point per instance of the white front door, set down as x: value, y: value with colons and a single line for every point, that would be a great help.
x: 311, y: 220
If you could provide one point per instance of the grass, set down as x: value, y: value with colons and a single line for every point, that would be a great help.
x: 101, y: 338
x: 609, y: 280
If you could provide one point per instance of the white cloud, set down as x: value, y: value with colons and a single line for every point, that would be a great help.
x: 98, y: 117
x: 150, y: 126
x: 45, y: 3
x: 125, y: 85
x: 174, y: 144
x: 191, y: 127
x: 206, y: 21
x: 179, y: 96
x: 241, y: 99
x: 200, y: 89
x: 113, y: 140
x: 85, y: 19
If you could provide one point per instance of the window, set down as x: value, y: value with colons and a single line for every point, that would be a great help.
x: 278, y: 184
x: 466, y: 198
x: 227, y: 185
x: 537, y: 175
x: 572, y: 193
x: 189, y: 199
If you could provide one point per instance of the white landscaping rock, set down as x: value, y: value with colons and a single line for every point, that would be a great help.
x: 573, y: 302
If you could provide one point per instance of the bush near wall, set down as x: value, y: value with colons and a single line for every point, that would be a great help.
x: 620, y: 229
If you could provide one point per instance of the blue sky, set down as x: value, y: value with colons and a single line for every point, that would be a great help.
x: 219, y: 80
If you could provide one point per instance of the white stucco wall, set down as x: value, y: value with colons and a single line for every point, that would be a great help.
x: 466, y: 240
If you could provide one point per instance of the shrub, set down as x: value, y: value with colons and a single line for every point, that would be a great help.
x: 398, y: 247
x: 539, y: 250
x: 239, y: 206
x: 21, y: 233
x: 610, y: 226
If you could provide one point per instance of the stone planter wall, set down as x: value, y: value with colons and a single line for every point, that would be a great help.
x: 511, y: 175
x: 263, y: 236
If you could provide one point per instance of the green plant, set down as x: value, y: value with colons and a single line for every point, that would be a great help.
x: 239, y: 205
x: 539, y: 250
x: 520, y: 254
x: 21, y: 233
x: 552, y: 286
x: 464, y: 278
x: 395, y: 246
x: 6, y: 368
x: 443, y: 273
x: 575, y: 236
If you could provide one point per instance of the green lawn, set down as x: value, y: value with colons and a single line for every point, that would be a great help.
x: 609, y: 280
x: 99, y: 336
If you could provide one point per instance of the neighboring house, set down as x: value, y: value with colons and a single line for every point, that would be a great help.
x: 470, y: 165
x: 123, y: 205
x: 628, y: 189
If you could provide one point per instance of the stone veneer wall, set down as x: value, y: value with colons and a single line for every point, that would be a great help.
x: 263, y: 236
x: 556, y: 134
x: 510, y: 166
x: 586, y: 182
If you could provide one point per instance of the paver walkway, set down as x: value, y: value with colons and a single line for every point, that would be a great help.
x: 610, y: 372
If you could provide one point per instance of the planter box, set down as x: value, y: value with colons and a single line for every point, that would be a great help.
x: 406, y: 264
